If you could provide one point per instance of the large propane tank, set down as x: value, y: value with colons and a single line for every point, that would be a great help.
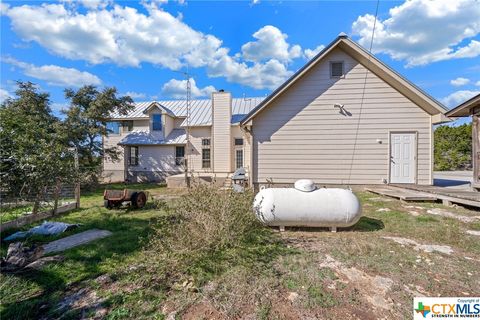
x: 305, y: 205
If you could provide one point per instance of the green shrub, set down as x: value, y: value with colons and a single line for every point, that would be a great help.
x: 209, y: 231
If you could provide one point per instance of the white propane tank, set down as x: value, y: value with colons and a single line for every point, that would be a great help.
x: 307, y: 206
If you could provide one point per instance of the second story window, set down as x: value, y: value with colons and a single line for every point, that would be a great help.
x: 127, y: 126
x: 157, y: 122
x: 113, y: 127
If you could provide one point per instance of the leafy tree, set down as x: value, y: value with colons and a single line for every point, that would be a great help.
x: 34, y: 156
x: 85, y: 124
x: 453, y: 147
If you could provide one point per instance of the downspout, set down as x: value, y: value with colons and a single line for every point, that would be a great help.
x: 249, y: 133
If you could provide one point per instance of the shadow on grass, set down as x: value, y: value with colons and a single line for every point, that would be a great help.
x: 81, y: 263
x: 366, y: 224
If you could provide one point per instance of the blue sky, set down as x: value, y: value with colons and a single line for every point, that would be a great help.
x: 245, y: 47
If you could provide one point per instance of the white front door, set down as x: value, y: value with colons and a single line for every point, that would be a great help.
x: 403, y: 159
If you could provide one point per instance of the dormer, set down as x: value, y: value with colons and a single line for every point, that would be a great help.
x: 161, y: 119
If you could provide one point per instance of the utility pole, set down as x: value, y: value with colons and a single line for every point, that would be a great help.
x: 189, y: 89
x: 187, y: 147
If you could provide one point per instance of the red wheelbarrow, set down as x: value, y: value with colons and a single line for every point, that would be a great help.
x: 115, y: 198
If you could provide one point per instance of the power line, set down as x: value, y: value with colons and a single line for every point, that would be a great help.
x: 363, y: 93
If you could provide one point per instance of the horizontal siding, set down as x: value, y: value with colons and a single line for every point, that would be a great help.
x: 302, y: 135
x: 194, y: 151
x: 117, y: 167
x: 221, y: 126
x: 156, y: 158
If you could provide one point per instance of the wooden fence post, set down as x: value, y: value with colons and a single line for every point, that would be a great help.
x: 77, y: 184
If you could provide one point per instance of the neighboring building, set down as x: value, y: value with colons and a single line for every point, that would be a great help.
x: 344, y: 118
x: 469, y: 108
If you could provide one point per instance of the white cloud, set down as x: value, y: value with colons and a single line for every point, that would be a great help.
x: 477, y: 83
x: 135, y: 95
x: 121, y: 35
x: 127, y: 37
x: 459, y: 82
x: 4, y: 95
x: 177, y: 89
x: 270, y: 44
x: 55, y: 75
x: 458, y: 97
x: 259, y: 76
x: 310, y: 53
x: 423, y: 31
x: 94, y: 4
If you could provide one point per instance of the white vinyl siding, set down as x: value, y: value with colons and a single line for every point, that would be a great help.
x: 114, y: 171
x: 302, y: 135
x: 194, y: 152
x: 221, y: 132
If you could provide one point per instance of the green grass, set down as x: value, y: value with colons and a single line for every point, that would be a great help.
x: 14, y: 212
x: 251, y: 277
x: 23, y: 295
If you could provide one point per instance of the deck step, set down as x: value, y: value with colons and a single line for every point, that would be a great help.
x: 403, y: 194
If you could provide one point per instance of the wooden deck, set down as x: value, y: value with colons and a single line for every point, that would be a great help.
x: 470, y: 198
x: 413, y: 192
x: 402, y: 194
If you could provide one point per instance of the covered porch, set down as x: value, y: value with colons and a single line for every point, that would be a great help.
x: 471, y: 108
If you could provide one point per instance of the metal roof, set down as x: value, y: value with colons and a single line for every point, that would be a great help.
x: 139, y: 137
x: 200, y: 110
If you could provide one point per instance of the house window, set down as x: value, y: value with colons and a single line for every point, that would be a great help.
x: 206, y: 158
x: 157, y: 122
x: 133, y: 160
x: 127, y: 126
x: 238, y: 158
x: 180, y: 155
x: 113, y: 127
x: 238, y: 141
x: 336, y: 69
x: 205, y: 153
x: 205, y: 142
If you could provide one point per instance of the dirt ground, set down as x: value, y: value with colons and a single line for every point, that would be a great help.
x: 371, y: 271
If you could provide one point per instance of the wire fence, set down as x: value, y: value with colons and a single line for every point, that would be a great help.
x: 14, y: 206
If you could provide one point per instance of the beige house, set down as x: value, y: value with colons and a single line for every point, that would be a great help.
x: 344, y: 118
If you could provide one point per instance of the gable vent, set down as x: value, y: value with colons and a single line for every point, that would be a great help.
x: 336, y: 69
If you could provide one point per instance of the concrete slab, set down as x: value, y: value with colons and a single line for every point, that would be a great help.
x: 75, y: 240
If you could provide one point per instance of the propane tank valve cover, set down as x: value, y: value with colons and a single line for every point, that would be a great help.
x: 305, y: 185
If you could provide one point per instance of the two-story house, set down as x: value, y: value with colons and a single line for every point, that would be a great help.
x: 343, y: 118
x: 154, y: 138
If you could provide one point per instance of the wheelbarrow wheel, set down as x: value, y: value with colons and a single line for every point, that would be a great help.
x: 139, y: 199
x: 107, y: 204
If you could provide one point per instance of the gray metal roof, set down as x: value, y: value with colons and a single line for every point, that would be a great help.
x: 139, y: 137
x: 200, y: 110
